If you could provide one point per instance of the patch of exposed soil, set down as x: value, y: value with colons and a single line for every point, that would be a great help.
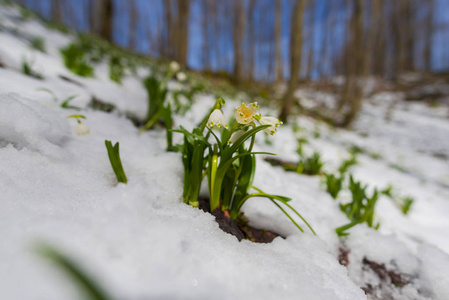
x: 239, y: 227
x: 286, y: 165
x: 68, y: 79
x: 343, y: 256
x: 389, y: 280
x: 386, y: 275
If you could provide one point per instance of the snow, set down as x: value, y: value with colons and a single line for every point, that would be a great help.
x: 141, y: 242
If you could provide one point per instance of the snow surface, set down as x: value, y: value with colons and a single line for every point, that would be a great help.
x: 141, y: 242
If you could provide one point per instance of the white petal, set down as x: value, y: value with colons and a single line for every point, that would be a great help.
x: 181, y: 76
x: 174, y: 66
x: 216, y: 119
x: 236, y: 135
x: 82, y: 129
x: 272, y: 121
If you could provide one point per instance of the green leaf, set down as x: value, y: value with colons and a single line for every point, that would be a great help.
x: 48, y: 91
x: 116, y: 163
x: 221, y: 171
x: 85, y: 283
x: 227, y: 153
x: 65, y: 104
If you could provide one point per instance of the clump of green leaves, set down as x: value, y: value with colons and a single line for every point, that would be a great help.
x: 27, y: 69
x: 157, y: 91
x: 334, y: 184
x: 76, y: 61
x: 116, y: 162
x: 86, y: 284
x: 158, y: 109
x: 406, y: 204
x: 38, y: 43
x: 347, y: 163
x: 116, y: 69
x: 360, y: 209
x: 301, y: 142
x: 183, y: 99
x: 227, y: 163
x: 310, y: 165
x: 403, y: 203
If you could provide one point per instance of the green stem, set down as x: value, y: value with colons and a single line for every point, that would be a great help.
x: 291, y: 219
x: 151, y: 122
x: 253, y: 138
x: 214, y: 201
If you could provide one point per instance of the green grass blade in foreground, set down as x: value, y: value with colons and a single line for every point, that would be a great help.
x: 116, y: 163
x: 221, y: 172
x: 284, y: 200
x: 86, y: 284
x: 245, y: 179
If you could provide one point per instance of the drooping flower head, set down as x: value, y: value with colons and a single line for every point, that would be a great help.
x: 174, y: 66
x: 82, y: 129
x: 272, y: 121
x: 217, y: 119
x: 244, y: 114
x: 181, y: 76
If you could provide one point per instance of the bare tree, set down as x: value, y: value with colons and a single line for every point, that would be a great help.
x: 101, y: 18
x: 56, y: 11
x: 353, y: 89
x: 278, y: 40
x: 133, y: 25
x: 238, y: 34
x: 251, y: 35
x: 429, y: 29
x: 183, y: 31
x: 295, y: 57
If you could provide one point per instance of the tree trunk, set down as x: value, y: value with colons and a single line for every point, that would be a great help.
x: 311, y: 31
x: 429, y: 28
x: 295, y: 57
x: 133, y: 25
x: 251, y: 34
x: 101, y: 17
x: 56, y: 11
x: 183, y: 31
x: 354, y: 88
x: 278, y: 40
x: 238, y: 34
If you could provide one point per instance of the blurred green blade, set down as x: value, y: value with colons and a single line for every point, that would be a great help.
x: 86, y: 284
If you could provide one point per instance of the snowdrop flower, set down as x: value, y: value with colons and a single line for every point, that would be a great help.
x: 181, y: 76
x: 217, y: 119
x: 174, y: 66
x: 273, y: 122
x: 244, y: 114
x: 82, y: 129
x: 235, y: 136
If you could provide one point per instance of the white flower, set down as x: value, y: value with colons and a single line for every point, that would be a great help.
x: 217, y: 119
x: 244, y: 114
x: 181, y: 76
x: 174, y: 66
x: 235, y: 136
x: 82, y: 129
x: 270, y: 121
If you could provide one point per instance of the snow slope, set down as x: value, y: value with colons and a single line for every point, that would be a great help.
x: 141, y: 242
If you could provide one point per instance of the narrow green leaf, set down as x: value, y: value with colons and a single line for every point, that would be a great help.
x: 85, y: 283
